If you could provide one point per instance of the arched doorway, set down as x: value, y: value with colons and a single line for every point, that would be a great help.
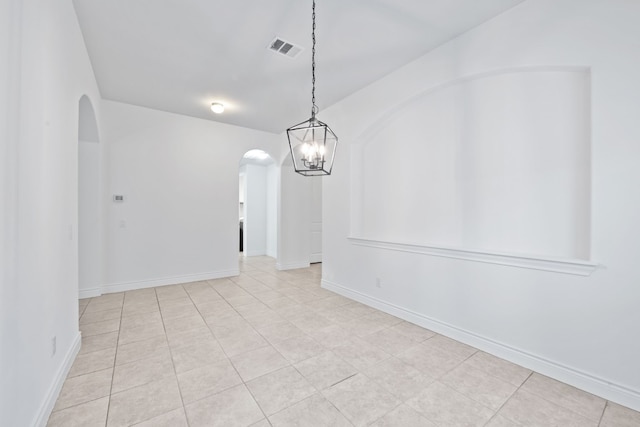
x: 258, y: 204
x: 89, y: 206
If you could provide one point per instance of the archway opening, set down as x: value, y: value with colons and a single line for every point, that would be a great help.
x: 258, y: 205
x: 89, y: 206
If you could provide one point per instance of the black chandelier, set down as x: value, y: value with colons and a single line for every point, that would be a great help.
x: 312, y: 142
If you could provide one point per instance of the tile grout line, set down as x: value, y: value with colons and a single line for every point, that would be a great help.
x: 244, y: 383
x: 562, y: 406
x: 606, y: 405
x: 318, y: 391
x: 507, y: 400
x: 175, y: 372
x: 291, y: 365
x: 113, y: 372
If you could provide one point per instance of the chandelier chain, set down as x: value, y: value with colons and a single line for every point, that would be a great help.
x: 314, y: 107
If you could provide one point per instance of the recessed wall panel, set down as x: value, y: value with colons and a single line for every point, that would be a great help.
x: 498, y: 162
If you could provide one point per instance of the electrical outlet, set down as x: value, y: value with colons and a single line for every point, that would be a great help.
x: 53, y: 346
x: 378, y: 282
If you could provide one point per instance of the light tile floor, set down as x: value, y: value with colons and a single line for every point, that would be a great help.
x: 272, y: 348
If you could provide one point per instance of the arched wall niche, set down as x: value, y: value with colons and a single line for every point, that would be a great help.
x: 498, y: 163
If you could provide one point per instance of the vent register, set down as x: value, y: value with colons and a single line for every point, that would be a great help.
x: 285, y: 48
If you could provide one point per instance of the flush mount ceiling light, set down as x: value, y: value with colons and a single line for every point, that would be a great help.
x: 217, y: 108
x: 312, y: 143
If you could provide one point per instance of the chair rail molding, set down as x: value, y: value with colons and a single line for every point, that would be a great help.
x: 575, y: 267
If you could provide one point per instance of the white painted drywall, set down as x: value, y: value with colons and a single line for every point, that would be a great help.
x: 90, y: 255
x: 582, y: 330
x: 315, y: 245
x: 273, y: 173
x: 48, y: 71
x: 498, y: 162
x: 179, y: 176
x: 294, y: 218
x: 10, y: 291
x: 255, y: 221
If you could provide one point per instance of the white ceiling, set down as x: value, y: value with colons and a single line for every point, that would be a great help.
x: 182, y: 55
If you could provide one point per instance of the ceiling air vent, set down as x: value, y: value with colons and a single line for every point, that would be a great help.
x: 285, y: 48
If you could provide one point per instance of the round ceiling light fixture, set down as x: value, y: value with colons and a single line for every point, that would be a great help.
x: 217, y: 108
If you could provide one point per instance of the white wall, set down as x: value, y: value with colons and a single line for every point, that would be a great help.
x: 47, y: 72
x: 273, y: 174
x: 179, y: 176
x: 90, y: 198
x: 294, y: 218
x: 579, y: 329
x: 10, y: 46
x: 315, y: 245
x: 255, y: 221
x: 500, y: 162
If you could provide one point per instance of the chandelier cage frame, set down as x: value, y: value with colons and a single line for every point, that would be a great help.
x: 312, y: 143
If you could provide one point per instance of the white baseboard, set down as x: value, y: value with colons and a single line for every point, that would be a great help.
x: 315, y: 258
x: 292, y: 265
x: 255, y: 253
x: 600, y: 387
x: 174, y: 280
x: 56, y: 385
x: 89, y: 293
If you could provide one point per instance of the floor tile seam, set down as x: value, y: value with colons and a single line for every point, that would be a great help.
x: 345, y: 415
x: 561, y: 405
x: 495, y: 412
x: 69, y: 376
x: 317, y: 390
x: 113, y: 372
x: 455, y: 367
x: 468, y: 396
x: 140, y: 314
x: 490, y: 374
x: 136, y: 341
x: 81, y: 403
x: 449, y: 353
x: 120, y: 365
x: 606, y: 405
x: 507, y: 401
x: 85, y: 312
x: 228, y: 358
x: 205, y: 322
x: 319, y: 393
x: 394, y: 408
x: 175, y: 372
x: 104, y: 333
x: 90, y: 322
x: 243, y: 383
x: 210, y: 395
x: 94, y: 303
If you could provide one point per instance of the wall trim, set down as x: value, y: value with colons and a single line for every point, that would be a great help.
x: 292, y: 265
x: 56, y: 385
x: 593, y: 384
x: 255, y: 252
x: 557, y: 265
x: 314, y: 258
x: 173, y: 280
x: 89, y: 293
